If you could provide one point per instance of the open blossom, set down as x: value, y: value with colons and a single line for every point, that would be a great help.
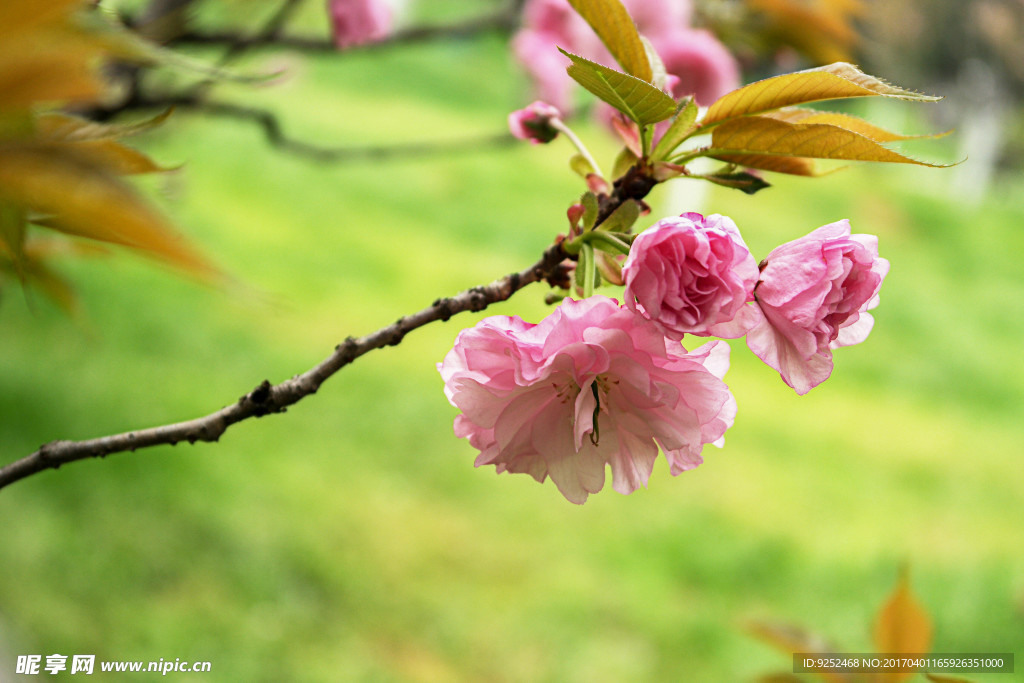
x: 356, y: 22
x: 815, y: 293
x: 700, y: 63
x: 692, y: 275
x: 533, y: 123
x: 592, y: 385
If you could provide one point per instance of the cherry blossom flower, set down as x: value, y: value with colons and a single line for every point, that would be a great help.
x: 703, y: 66
x: 815, y: 293
x: 357, y: 22
x: 692, y: 275
x: 592, y: 385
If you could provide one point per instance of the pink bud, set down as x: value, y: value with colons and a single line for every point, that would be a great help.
x: 575, y: 213
x: 357, y: 22
x: 533, y: 123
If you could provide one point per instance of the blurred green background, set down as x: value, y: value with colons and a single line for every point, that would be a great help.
x: 352, y: 539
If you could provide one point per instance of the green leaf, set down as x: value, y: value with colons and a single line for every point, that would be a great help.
x: 613, y: 25
x: 769, y: 136
x: 622, y: 218
x: 682, y: 127
x: 580, y: 165
x: 590, y: 209
x: 637, y: 99
x: 835, y: 81
x: 624, y: 161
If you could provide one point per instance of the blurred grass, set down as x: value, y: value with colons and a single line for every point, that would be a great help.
x: 351, y: 538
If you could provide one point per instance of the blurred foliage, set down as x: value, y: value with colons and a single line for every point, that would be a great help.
x: 774, y: 35
x: 930, y: 41
x: 59, y: 171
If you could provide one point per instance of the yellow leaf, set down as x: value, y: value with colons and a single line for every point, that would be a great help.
x: 902, y: 626
x: 616, y: 29
x: 835, y: 81
x: 78, y: 198
x: 763, y: 135
x: 845, y: 121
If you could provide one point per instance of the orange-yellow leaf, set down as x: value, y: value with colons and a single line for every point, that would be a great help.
x: 23, y: 15
x: 844, y: 121
x: 78, y: 198
x: 117, y: 158
x: 768, y: 136
x: 790, y: 165
x: 835, y: 81
x: 902, y: 626
x: 616, y: 29
x: 67, y: 128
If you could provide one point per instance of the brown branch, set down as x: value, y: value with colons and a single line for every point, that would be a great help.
x: 269, y: 398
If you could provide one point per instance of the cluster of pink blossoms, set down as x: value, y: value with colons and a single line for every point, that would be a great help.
x: 599, y: 384
x: 697, y: 63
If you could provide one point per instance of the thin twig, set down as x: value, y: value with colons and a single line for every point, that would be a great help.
x: 269, y: 398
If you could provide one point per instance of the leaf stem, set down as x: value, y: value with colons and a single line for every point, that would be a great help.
x: 560, y: 126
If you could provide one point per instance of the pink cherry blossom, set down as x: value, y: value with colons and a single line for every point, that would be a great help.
x: 692, y: 275
x: 703, y: 66
x: 815, y: 293
x: 533, y: 122
x: 592, y: 385
x: 356, y: 22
